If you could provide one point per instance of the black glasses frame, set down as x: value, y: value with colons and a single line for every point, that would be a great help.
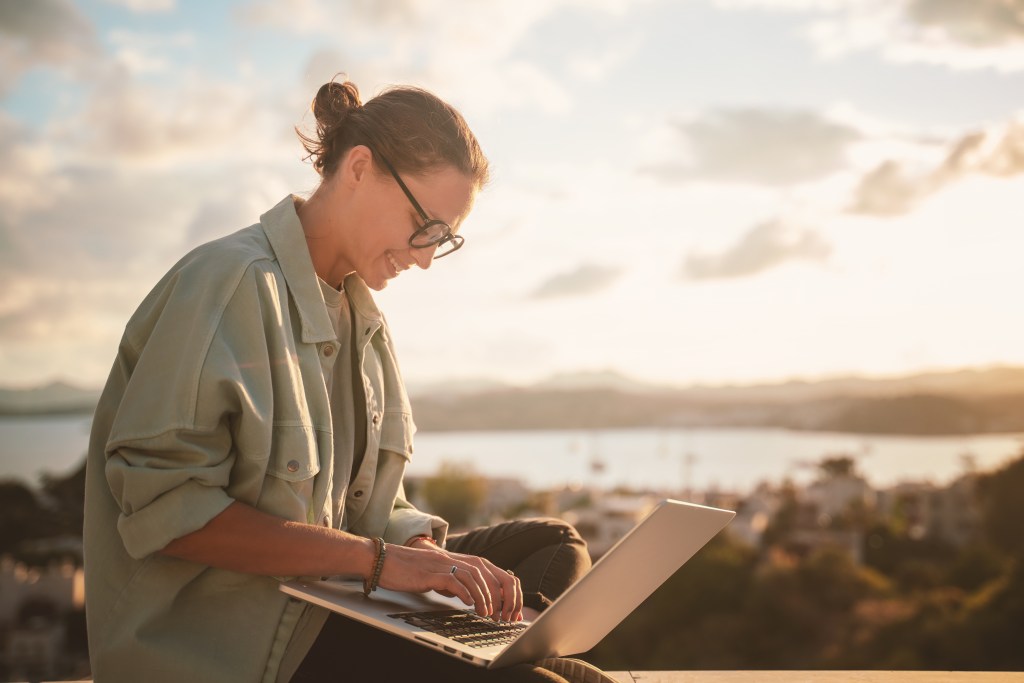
x: 427, y: 235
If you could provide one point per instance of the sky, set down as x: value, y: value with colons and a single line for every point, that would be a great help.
x: 684, y: 192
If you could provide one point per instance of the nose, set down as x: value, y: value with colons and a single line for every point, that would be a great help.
x: 424, y: 257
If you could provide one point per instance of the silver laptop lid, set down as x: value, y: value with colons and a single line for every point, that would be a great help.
x: 624, y: 577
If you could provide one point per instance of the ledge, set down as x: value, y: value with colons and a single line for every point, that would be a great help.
x: 811, y: 677
x: 816, y: 677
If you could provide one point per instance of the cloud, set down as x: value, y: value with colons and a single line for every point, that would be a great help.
x: 227, y: 212
x: 26, y: 167
x: 765, y: 246
x: 889, y: 190
x: 145, y: 6
x: 130, y: 122
x: 956, y: 33
x: 595, y: 67
x: 148, y: 53
x: 21, y: 303
x: 303, y: 17
x: 770, y: 147
x: 895, y: 188
x: 75, y: 267
x: 39, y: 314
x: 449, y: 47
x: 978, y: 23
x: 42, y: 32
x: 587, y: 279
x: 95, y: 218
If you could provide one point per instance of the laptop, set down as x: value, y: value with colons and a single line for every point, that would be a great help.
x: 618, y: 582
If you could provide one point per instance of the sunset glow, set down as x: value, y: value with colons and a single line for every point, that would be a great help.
x: 726, y: 191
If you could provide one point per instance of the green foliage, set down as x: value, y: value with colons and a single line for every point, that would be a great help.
x: 696, y: 605
x: 888, y: 549
x: 65, y: 497
x: 785, y: 518
x: 1002, y: 506
x: 916, y: 603
x: 21, y: 516
x: 456, y: 493
x: 975, y: 566
x: 837, y: 466
x: 25, y: 515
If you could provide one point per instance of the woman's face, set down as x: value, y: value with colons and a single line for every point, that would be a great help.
x: 379, y: 248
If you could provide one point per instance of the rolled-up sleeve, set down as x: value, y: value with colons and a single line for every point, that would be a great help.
x: 168, y: 486
x: 182, y: 413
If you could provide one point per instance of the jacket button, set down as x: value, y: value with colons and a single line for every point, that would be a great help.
x: 293, y: 465
x: 328, y: 350
x: 367, y: 330
x: 358, y: 494
x: 376, y: 418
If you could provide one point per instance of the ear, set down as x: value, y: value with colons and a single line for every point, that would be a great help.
x: 358, y: 164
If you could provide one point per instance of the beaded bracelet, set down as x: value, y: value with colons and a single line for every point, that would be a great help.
x: 378, y: 563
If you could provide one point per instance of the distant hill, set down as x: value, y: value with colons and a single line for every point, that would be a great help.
x: 51, y: 399
x: 959, y: 402
x: 989, y: 400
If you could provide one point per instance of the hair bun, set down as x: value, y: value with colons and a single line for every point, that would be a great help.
x: 333, y: 102
x: 410, y: 127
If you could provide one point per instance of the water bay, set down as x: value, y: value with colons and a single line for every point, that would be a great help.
x: 664, y: 459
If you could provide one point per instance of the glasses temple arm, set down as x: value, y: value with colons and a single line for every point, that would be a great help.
x: 405, y: 188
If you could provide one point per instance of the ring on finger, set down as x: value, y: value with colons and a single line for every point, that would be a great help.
x: 454, y: 569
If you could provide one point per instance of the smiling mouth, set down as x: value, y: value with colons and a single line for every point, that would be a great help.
x: 394, y: 264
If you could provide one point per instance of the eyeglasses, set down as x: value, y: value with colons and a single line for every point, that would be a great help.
x: 433, y: 232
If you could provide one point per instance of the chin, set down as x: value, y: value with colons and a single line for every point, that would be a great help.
x: 377, y: 285
x: 375, y: 279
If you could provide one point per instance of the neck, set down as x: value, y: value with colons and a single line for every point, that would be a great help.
x: 323, y: 227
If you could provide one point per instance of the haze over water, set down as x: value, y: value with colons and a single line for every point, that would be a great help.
x: 657, y: 459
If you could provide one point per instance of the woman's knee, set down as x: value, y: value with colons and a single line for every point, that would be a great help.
x: 566, y: 557
x: 567, y: 533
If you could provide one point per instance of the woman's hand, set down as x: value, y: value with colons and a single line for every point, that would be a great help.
x: 476, y: 581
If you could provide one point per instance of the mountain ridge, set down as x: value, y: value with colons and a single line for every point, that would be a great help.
x: 963, y: 401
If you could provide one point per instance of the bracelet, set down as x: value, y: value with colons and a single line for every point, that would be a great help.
x: 378, y: 563
x: 424, y: 537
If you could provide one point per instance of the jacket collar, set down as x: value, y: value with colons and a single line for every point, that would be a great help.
x: 361, y: 298
x: 284, y: 231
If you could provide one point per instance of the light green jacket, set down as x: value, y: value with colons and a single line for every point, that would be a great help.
x: 218, y: 394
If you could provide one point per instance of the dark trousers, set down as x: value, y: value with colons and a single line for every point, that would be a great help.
x: 547, y: 555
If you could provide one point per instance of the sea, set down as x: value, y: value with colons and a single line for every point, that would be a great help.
x: 666, y: 460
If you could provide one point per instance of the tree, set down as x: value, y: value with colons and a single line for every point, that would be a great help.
x: 65, y: 496
x: 785, y: 519
x: 21, y: 516
x: 837, y: 466
x: 1002, y: 507
x: 695, y: 620
x: 456, y: 493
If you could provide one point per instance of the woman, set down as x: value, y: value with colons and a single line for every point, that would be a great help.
x: 255, y: 426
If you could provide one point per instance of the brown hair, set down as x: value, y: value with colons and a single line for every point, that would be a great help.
x: 413, y: 129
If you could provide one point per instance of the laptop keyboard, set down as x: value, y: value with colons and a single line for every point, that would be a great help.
x: 463, y: 627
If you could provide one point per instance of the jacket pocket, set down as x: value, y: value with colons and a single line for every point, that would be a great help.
x: 293, y: 453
